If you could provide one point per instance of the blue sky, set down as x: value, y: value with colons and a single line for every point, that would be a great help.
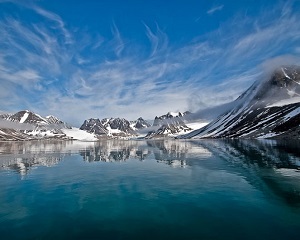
x: 83, y: 59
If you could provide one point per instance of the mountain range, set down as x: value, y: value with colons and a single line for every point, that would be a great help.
x: 114, y: 127
x: 270, y: 108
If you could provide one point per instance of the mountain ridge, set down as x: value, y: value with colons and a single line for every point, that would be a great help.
x: 260, y: 112
x: 114, y: 127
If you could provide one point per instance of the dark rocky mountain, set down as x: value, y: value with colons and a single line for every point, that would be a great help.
x: 140, y: 123
x: 170, y: 124
x: 114, y: 127
x: 268, y: 109
x: 94, y: 125
x: 118, y: 126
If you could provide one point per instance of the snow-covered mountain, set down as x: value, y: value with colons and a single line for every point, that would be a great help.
x: 140, y: 123
x: 268, y: 109
x: 27, y: 125
x: 114, y: 127
x: 28, y: 117
x: 118, y: 127
x: 170, y: 124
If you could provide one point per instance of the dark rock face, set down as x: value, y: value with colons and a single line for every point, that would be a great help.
x: 120, y: 124
x: 94, y: 125
x: 268, y: 109
x: 140, y: 123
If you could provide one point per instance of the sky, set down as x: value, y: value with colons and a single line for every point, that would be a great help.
x: 95, y: 59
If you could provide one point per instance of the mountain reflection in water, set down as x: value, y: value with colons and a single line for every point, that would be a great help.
x: 168, y: 189
x: 274, y: 163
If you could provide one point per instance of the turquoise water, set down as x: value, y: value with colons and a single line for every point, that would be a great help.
x: 150, y: 190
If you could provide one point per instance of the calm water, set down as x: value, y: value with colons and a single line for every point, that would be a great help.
x: 150, y: 190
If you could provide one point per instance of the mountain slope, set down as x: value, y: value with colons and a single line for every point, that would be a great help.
x: 269, y: 108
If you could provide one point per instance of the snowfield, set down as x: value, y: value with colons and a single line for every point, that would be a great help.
x: 80, y: 135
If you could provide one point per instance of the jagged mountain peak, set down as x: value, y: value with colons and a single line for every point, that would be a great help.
x: 94, y: 125
x: 140, y: 123
x: 116, y: 127
x: 170, y: 117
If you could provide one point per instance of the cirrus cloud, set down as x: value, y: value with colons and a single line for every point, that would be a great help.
x: 52, y: 68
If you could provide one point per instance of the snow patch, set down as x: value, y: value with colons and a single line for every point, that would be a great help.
x: 79, y: 134
x: 287, y: 76
x: 174, y: 114
x: 25, y: 116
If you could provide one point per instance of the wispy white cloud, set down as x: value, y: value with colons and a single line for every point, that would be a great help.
x: 215, y: 9
x: 55, y: 18
x: 117, y: 42
x: 79, y: 75
x: 158, y: 40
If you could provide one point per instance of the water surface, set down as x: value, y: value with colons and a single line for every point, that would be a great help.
x: 210, y: 189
